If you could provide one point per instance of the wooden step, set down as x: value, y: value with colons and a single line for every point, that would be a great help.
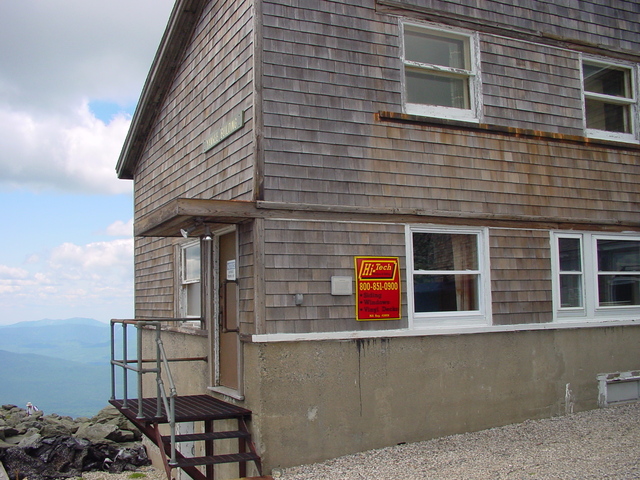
x: 196, y: 437
x: 215, y: 459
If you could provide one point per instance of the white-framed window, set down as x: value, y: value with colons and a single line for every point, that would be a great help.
x: 190, y: 274
x: 441, y: 72
x: 448, y: 276
x: 596, y: 276
x: 610, y: 100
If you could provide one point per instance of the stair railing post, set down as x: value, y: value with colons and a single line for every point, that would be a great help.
x: 172, y: 424
x: 113, y: 357
x: 140, y: 370
x: 159, y: 385
x: 125, y: 361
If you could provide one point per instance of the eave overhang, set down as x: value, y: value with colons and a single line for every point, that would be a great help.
x: 183, y: 213
x: 197, y: 214
x: 177, y: 36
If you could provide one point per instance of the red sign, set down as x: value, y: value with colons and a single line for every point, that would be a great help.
x: 378, y: 288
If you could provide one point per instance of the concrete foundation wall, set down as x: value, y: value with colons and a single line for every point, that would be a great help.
x: 316, y: 400
x: 191, y: 378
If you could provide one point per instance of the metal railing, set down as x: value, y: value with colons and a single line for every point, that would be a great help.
x: 137, y: 365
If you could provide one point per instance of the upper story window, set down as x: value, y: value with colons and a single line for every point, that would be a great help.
x: 448, y: 276
x: 440, y: 73
x: 596, y: 275
x: 610, y: 100
x: 189, y: 305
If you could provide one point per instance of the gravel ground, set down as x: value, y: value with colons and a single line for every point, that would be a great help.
x: 599, y: 444
x: 144, y: 473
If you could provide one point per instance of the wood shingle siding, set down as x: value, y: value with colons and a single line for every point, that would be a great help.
x: 154, y: 267
x: 459, y: 172
x: 593, y: 24
x: 531, y: 86
x: 212, y: 85
x: 520, y: 276
x: 301, y: 257
x: 330, y: 67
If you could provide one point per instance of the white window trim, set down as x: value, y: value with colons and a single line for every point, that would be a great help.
x: 182, y: 300
x: 633, y: 101
x: 437, y: 320
x: 475, y: 85
x: 590, y: 311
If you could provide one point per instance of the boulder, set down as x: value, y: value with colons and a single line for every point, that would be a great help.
x: 67, y: 457
x: 95, y: 432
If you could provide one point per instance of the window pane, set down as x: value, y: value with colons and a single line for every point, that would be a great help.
x: 619, y: 290
x: 607, y: 116
x: 193, y: 299
x: 444, y: 251
x: 445, y: 293
x: 433, y: 49
x: 607, y: 80
x: 618, y: 256
x: 191, y: 263
x: 429, y: 89
x: 570, y: 255
x: 570, y: 291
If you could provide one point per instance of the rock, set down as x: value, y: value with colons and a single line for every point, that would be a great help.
x: 32, y: 441
x: 67, y: 457
x: 48, y: 447
x: 122, y: 436
x: 97, y: 432
x: 56, y: 425
x: 3, y: 473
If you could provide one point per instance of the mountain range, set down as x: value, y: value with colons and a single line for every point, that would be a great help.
x: 61, y: 366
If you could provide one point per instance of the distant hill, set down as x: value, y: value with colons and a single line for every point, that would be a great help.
x: 53, y: 385
x: 62, y: 366
x: 49, y: 321
x: 78, y: 339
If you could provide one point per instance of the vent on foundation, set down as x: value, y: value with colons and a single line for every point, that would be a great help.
x: 617, y: 388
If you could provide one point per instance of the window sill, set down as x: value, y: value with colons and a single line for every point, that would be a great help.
x: 437, y: 331
x: 385, y: 116
x: 227, y: 392
x: 186, y: 330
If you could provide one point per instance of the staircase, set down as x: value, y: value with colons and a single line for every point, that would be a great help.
x: 148, y: 414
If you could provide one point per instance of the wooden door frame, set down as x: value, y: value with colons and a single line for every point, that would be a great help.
x: 211, y: 289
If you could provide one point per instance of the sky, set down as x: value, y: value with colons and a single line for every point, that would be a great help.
x: 71, y: 73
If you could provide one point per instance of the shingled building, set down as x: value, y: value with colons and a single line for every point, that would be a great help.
x: 384, y: 221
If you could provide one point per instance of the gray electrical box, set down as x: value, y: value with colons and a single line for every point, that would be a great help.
x: 341, y: 285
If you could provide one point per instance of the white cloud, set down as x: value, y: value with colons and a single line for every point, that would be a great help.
x: 94, y: 279
x: 120, y: 229
x: 76, y: 153
x: 64, y: 54
x: 10, y: 273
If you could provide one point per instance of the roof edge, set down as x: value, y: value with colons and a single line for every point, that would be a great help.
x: 177, y: 35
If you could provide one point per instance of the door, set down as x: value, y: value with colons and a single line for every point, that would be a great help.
x: 228, y: 325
